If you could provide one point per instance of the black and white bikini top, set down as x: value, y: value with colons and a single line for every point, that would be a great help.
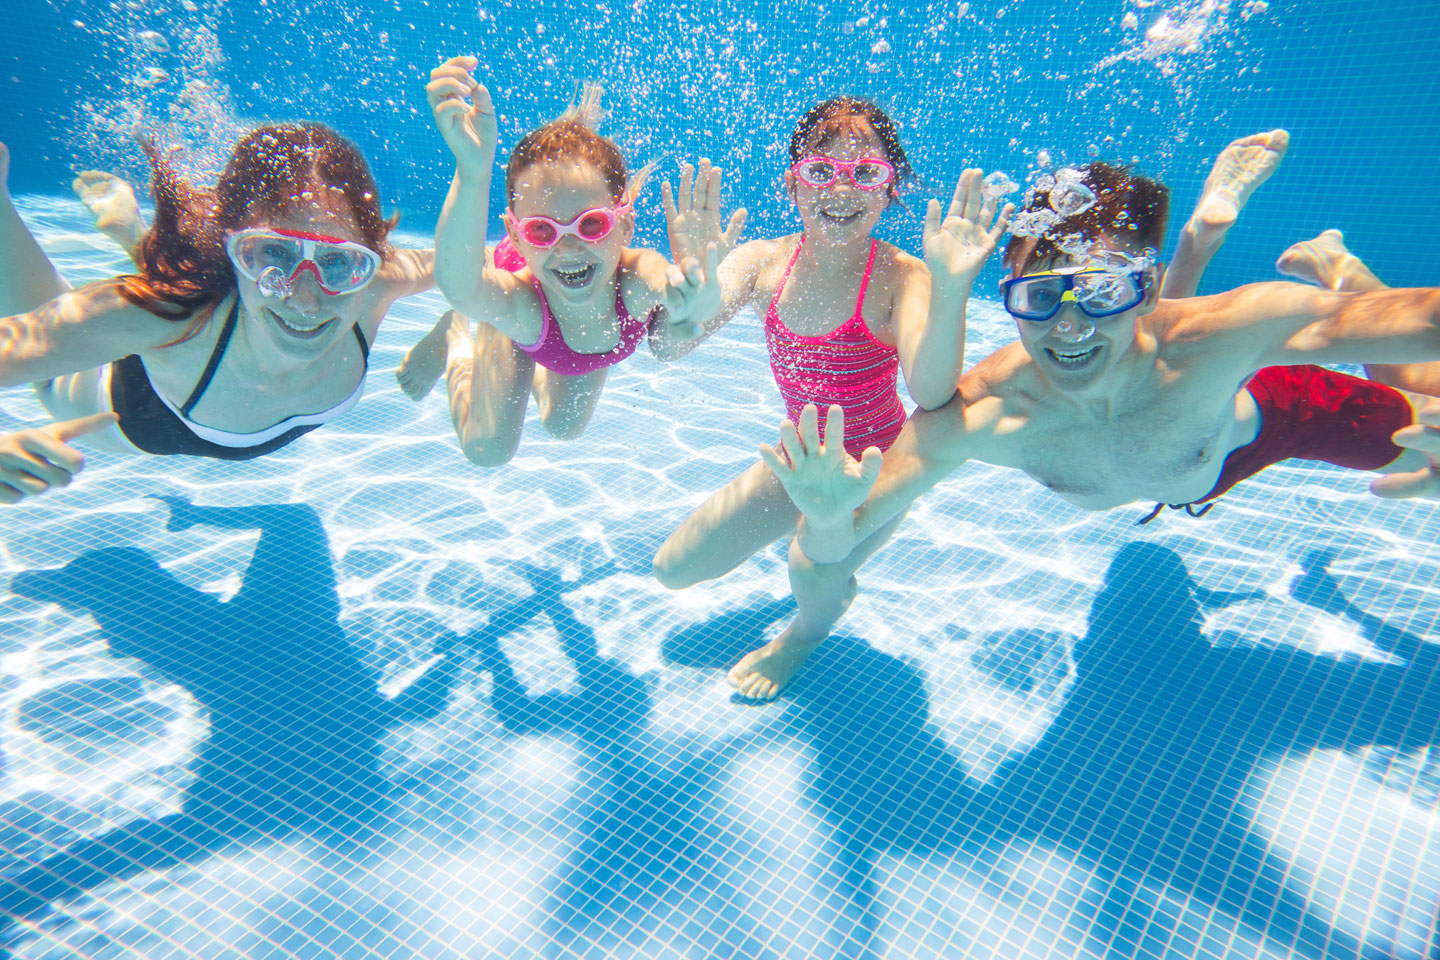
x: 155, y: 425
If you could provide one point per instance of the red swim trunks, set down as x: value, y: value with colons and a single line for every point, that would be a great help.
x: 1311, y: 413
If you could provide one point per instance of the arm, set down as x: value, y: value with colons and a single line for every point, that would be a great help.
x: 843, y: 501
x: 466, y: 120
x: 929, y: 308
x: 78, y: 330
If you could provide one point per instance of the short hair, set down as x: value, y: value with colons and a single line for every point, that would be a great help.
x: 845, y: 114
x: 1128, y: 206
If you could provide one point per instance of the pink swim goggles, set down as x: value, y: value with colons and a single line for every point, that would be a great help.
x: 867, y: 173
x: 592, y: 226
x: 274, y: 258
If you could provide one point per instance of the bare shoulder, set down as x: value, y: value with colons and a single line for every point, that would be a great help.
x: 898, y: 263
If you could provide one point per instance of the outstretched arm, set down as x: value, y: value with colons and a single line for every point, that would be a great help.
x: 78, y: 330
x: 27, y: 277
x: 930, y: 304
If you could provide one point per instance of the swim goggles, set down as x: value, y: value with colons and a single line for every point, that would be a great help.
x: 867, y: 173
x: 274, y: 258
x: 1039, y: 296
x: 592, y: 226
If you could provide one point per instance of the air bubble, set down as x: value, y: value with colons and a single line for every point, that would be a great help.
x: 998, y: 184
x: 153, y: 41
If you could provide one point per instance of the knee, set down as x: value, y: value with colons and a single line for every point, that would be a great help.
x: 564, y: 427
x: 489, y: 451
x: 671, y: 571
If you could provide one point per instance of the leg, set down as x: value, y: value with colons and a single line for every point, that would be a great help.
x: 488, y: 381
x: 112, y: 202
x: 425, y: 362
x: 1238, y: 171
x: 824, y: 593
x: 566, y: 404
x: 749, y: 513
x: 27, y: 277
x: 1327, y: 262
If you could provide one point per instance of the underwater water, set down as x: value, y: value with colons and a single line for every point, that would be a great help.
x: 462, y: 719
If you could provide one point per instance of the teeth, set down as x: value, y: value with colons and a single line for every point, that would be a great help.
x: 304, y: 331
x: 577, y: 277
x: 1073, y: 359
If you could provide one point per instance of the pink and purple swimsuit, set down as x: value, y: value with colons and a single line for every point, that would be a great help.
x: 551, y: 351
x: 846, y: 366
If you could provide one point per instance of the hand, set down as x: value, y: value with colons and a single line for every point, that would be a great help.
x: 1422, y: 435
x: 694, y: 216
x: 825, y: 482
x: 957, y: 247
x: 692, y: 295
x: 464, y: 114
x: 34, y: 461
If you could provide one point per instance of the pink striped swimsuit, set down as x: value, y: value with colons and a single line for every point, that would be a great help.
x: 847, y: 366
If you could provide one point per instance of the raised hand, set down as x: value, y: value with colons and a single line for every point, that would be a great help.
x: 694, y: 215
x: 464, y: 114
x: 957, y: 246
x: 692, y: 294
x: 1422, y: 435
x: 822, y: 479
x: 34, y: 461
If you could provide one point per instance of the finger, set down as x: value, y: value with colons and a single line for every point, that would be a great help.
x: 790, y: 444
x: 957, y: 200
x: 835, y: 430
x: 480, y: 96
x: 973, y: 194
x: 871, y: 460
x: 37, y: 472
x: 775, y: 462
x: 810, y: 428
x: 48, y: 458
x: 68, y: 430
x: 1404, y: 486
x: 1003, y: 222
x: 987, y: 214
x: 24, y: 482
x: 712, y: 185
x: 687, y: 187
x: 1418, y: 436
x: 9, y: 494
x: 439, y: 91
x: 712, y: 261
x: 932, y: 218
x: 667, y: 200
x: 1429, y: 414
x: 737, y: 225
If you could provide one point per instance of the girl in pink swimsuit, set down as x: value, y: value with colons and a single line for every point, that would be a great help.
x: 843, y: 313
x: 563, y: 299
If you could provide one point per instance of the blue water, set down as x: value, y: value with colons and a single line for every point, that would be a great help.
x: 1039, y: 732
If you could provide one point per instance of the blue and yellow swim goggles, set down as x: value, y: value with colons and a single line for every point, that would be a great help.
x: 1097, y: 293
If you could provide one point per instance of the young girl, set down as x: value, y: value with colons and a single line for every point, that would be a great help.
x: 842, y: 313
x: 247, y: 325
x: 562, y: 300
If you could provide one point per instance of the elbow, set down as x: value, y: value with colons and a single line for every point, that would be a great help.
x: 932, y: 399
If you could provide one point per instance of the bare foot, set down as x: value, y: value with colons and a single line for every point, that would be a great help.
x: 112, y: 202
x: 761, y: 675
x: 423, y: 365
x: 1327, y: 262
x: 1240, y: 168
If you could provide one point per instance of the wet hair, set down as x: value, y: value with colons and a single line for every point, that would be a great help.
x: 184, y: 269
x: 573, y: 137
x: 1129, y: 206
x: 845, y: 114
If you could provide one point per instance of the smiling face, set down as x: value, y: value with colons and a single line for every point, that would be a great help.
x: 573, y: 270
x: 308, y: 321
x: 841, y: 212
x: 1073, y: 351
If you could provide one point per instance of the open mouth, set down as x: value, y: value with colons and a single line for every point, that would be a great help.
x: 1073, y: 358
x: 576, y: 278
x: 839, y: 217
x: 300, y: 333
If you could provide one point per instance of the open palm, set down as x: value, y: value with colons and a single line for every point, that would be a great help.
x: 957, y: 246
x: 823, y: 480
x: 692, y: 214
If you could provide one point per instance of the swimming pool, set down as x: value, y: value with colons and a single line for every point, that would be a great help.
x: 1038, y: 732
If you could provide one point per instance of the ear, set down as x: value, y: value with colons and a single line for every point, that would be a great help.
x: 790, y: 185
x: 627, y: 226
x: 1155, y: 279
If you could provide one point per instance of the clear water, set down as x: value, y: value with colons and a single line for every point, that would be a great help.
x: 1039, y: 732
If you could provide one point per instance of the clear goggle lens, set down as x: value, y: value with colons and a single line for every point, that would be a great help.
x: 1098, y: 294
x: 867, y: 174
x: 339, y: 266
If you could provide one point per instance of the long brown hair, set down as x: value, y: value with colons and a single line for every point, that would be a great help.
x: 573, y: 137
x: 184, y: 269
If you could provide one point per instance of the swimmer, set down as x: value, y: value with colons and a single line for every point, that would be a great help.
x: 843, y: 312
x: 1113, y: 395
x: 563, y: 298
x: 248, y: 323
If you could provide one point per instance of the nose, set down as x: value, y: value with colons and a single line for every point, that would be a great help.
x: 1072, y: 325
x: 306, y: 295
